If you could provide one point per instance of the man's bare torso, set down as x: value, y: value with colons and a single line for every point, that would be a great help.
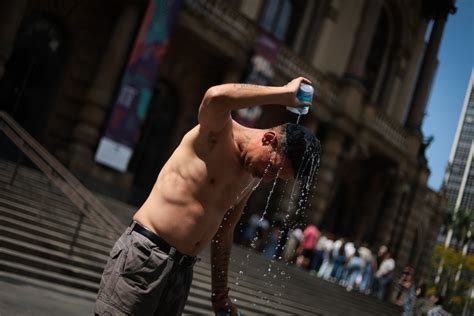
x: 201, y: 181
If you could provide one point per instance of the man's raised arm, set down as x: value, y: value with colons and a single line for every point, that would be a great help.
x: 219, y: 101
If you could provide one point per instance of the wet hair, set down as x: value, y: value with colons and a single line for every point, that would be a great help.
x: 302, y: 148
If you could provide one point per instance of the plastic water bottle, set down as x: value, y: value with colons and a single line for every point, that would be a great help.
x: 305, y: 95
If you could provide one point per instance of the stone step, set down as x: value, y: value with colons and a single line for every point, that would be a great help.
x: 40, y: 197
x: 58, y: 224
x: 47, y: 252
x: 49, y: 265
x: 45, y: 192
x: 50, y: 276
x: 28, y: 234
x: 254, y: 298
x: 37, y: 223
x: 298, y: 295
x: 40, y: 200
x: 49, y: 192
x: 49, y: 285
x: 305, y: 286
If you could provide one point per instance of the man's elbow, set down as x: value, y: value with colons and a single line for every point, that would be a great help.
x: 212, y: 103
x: 215, y: 95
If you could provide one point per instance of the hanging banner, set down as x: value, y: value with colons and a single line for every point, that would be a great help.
x: 128, y: 112
x: 261, y: 73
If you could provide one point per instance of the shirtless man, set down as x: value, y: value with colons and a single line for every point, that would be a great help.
x: 199, y: 196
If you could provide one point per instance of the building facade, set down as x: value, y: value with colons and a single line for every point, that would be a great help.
x: 61, y: 63
x: 459, y: 177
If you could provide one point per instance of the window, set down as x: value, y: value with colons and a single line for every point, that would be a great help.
x: 377, y: 52
x: 276, y: 18
x: 281, y: 18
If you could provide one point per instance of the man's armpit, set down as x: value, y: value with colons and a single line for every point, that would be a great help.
x: 213, y: 137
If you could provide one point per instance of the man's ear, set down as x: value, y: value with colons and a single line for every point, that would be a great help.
x: 270, y: 138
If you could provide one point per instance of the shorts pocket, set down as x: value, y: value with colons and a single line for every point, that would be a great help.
x: 138, y: 285
x: 111, y: 272
x: 138, y: 256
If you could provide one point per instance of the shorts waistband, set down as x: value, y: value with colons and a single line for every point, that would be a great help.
x: 180, y: 258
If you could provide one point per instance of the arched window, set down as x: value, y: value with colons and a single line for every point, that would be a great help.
x: 281, y: 18
x: 375, y: 62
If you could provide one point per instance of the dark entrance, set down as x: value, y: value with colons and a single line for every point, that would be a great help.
x: 31, y: 74
x: 360, y: 199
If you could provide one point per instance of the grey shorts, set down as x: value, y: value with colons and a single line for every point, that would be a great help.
x: 140, y: 279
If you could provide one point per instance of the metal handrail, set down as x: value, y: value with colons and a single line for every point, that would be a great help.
x: 87, y: 203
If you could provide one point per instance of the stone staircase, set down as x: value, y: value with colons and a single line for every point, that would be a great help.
x: 56, y: 234
x: 41, y: 240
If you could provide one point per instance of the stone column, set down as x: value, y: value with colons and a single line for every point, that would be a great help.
x: 392, y: 211
x: 100, y: 96
x: 331, y: 149
x: 365, y: 34
x: 354, y: 90
x: 428, y: 66
x: 371, y: 205
x: 434, y: 224
x: 11, y: 14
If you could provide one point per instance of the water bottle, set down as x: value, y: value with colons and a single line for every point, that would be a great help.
x: 305, y: 95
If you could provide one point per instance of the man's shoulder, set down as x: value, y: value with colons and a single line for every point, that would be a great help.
x: 206, y: 130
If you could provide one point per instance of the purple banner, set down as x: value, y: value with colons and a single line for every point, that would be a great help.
x: 136, y: 89
x: 261, y: 73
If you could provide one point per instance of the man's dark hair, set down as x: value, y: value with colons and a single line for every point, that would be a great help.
x: 303, y: 149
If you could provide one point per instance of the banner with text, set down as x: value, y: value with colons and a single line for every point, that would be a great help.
x: 130, y: 107
x: 261, y: 73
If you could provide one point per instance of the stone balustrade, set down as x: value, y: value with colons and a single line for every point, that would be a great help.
x: 245, y: 32
x: 392, y: 131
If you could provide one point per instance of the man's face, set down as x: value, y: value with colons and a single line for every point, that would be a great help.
x: 263, y: 161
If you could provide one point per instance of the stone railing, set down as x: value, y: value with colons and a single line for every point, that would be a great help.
x: 244, y: 32
x: 225, y: 20
x: 391, y: 130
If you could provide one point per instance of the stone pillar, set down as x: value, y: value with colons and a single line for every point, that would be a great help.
x: 392, y: 211
x: 371, y: 205
x: 438, y: 210
x: 11, y: 14
x: 429, y: 65
x: 360, y: 51
x: 100, y: 96
x: 354, y: 90
x: 331, y: 149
